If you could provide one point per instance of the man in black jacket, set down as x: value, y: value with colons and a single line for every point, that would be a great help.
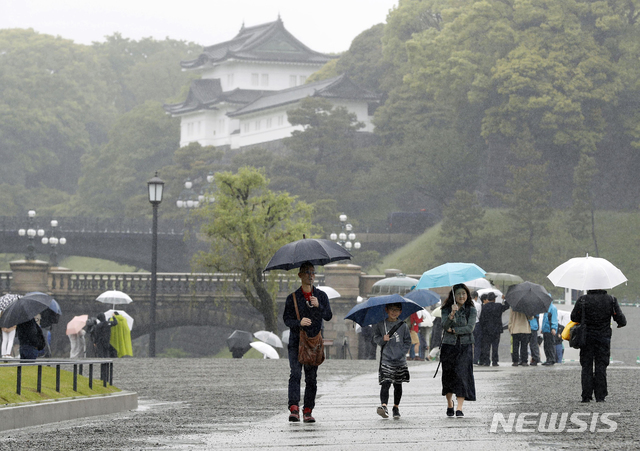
x: 599, y: 308
x: 491, y: 324
x: 314, y: 308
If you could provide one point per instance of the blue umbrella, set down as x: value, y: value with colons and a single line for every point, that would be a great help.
x: 372, y: 311
x: 450, y: 274
x: 424, y: 298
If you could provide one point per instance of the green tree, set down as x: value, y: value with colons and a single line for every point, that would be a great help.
x: 246, y: 225
x: 54, y: 107
x: 142, y: 141
x: 528, y: 201
x: 462, y: 223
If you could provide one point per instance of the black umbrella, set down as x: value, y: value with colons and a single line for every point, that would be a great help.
x: 238, y: 342
x: 317, y: 251
x: 27, y: 307
x: 528, y: 298
x: 51, y: 315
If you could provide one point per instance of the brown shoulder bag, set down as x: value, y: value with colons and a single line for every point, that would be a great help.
x: 310, y: 349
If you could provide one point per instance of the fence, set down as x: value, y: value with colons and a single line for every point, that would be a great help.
x: 106, y: 367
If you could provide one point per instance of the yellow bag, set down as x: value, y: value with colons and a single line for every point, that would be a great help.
x: 566, y: 333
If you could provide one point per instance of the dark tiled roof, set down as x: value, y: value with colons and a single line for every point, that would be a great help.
x: 340, y: 87
x: 266, y: 42
x: 206, y: 93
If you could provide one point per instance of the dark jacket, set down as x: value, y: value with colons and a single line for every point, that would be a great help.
x: 599, y: 308
x: 315, y: 314
x: 30, y: 334
x: 491, y: 318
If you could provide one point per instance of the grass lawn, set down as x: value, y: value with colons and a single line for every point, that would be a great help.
x: 30, y: 380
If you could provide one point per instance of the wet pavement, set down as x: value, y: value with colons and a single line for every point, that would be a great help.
x: 211, y: 404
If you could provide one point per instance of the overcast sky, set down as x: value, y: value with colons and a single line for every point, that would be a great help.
x: 324, y: 25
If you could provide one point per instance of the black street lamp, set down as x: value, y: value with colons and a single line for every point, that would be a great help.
x: 31, y: 233
x: 53, y: 241
x: 156, y: 186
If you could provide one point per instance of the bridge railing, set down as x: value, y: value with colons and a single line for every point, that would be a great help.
x: 66, y: 282
x: 96, y: 225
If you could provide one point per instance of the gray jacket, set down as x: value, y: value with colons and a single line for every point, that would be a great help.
x: 395, y: 351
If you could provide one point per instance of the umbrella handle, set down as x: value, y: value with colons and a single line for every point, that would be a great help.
x: 437, y: 368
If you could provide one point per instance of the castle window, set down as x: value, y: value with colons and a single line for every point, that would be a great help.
x: 293, y: 81
x: 257, y: 127
x: 303, y: 79
x: 265, y: 79
x: 246, y: 127
x: 255, y: 79
x: 229, y: 80
x: 269, y: 123
x: 280, y: 120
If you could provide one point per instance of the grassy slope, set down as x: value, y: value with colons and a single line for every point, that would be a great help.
x: 618, y: 242
x: 29, y: 383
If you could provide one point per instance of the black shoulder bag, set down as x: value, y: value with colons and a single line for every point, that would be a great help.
x: 578, y: 333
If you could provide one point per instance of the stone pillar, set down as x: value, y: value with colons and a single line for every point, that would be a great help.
x: 29, y: 275
x: 343, y: 277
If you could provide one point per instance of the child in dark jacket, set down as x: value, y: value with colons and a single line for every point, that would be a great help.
x: 393, y: 360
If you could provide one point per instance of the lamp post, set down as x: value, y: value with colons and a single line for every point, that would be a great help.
x: 188, y: 198
x: 155, y: 186
x: 53, y: 241
x: 346, y: 238
x: 31, y: 233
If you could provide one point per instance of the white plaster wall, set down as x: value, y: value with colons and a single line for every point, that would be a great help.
x: 279, y: 75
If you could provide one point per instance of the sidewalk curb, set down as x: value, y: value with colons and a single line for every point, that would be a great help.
x: 53, y: 411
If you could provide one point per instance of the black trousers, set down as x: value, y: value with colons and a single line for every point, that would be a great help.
x: 549, y: 346
x: 519, y: 351
x: 489, y: 349
x: 310, y: 381
x: 535, y: 347
x: 384, y: 393
x: 594, y: 359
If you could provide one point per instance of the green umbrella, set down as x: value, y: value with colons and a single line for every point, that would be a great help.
x: 504, y: 279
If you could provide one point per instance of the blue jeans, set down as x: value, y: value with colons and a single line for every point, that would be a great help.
x: 28, y: 352
x: 310, y: 381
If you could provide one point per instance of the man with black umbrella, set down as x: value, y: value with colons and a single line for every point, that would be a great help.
x: 313, y: 306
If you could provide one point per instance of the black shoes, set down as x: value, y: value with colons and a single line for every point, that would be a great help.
x: 495, y: 364
x: 383, y: 412
x: 524, y: 364
x: 450, y: 411
x: 548, y: 363
x: 514, y: 364
x: 459, y: 414
x: 396, y: 413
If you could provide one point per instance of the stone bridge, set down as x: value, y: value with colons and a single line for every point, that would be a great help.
x: 123, y: 240
x: 128, y: 241
x: 183, y: 299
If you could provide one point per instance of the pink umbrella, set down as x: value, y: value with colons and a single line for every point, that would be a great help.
x: 77, y: 324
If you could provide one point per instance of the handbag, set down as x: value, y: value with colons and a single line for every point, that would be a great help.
x: 578, y: 333
x: 310, y: 349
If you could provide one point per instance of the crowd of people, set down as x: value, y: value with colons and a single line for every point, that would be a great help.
x: 466, y: 333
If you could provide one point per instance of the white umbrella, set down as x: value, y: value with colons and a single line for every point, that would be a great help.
x: 269, y: 338
x: 563, y: 317
x: 478, y: 284
x: 285, y: 336
x: 587, y: 273
x: 265, y: 349
x: 109, y: 313
x: 114, y: 297
x: 331, y: 292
